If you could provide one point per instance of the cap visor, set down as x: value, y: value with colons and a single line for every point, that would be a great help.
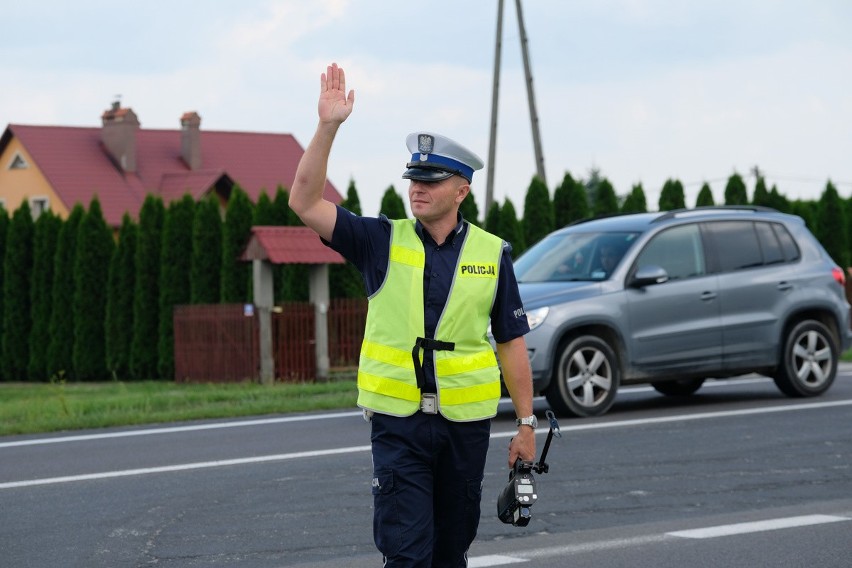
x: 426, y: 174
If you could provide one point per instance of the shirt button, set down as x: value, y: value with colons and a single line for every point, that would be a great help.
x: 434, y: 275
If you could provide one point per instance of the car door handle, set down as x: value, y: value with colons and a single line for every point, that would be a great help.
x: 707, y: 296
x: 784, y: 286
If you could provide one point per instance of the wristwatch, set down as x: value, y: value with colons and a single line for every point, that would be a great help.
x: 530, y: 420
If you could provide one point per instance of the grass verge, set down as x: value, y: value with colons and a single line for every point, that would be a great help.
x: 28, y: 408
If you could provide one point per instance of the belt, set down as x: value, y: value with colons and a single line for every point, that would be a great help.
x: 429, y: 403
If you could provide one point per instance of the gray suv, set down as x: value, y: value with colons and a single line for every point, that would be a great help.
x: 674, y: 298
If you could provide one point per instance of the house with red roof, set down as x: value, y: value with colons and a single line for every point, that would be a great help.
x: 55, y: 167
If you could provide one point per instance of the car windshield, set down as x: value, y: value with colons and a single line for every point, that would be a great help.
x: 570, y: 257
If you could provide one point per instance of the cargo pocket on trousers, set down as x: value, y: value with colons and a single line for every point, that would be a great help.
x: 387, y: 529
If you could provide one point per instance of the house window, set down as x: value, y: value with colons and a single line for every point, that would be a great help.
x: 18, y: 163
x: 39, y: 205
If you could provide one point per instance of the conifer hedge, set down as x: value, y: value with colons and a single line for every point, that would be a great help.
x: 91, y: 270
x: 17, y: 273
x: 47, y: 229
x: 146, y: 300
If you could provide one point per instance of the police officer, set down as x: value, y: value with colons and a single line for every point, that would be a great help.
x: 428, y: 379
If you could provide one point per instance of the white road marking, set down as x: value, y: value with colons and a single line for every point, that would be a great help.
x: 493, y: 560
x: 181, y: 467
x: 176, y: 429
x: 643, y: 540
x: 353, y: 449
x: 758, y: 526
x: 685, y: 417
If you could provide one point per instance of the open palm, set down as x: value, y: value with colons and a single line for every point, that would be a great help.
x: 334, y: 105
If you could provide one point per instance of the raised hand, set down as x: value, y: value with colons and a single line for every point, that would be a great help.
x: 334, y: 104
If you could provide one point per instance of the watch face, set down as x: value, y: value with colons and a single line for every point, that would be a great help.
x: 529, y: 421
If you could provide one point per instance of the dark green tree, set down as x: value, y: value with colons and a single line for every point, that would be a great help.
x: 705, y: 196
x: 175, y: 275
x: 4, y: 230
x: 831, y: 229
x: 206, y: 265
x: 606, y: 202
x: 735, y: 191
x: 635, y: 201
x: 91, y: 273
x: 353, y: 203
x: 761, y: 195
x: 779, y: 202
x: 59, y: 353
x: 392, y: 205
x: 236, y: 275
x: 17, y: 272
x: 264, y: 211
x: 41, y: 298
x: 285, y: 276
x: 492, y: 220
x: 672, y: 196
x: 807, y: 210
x: 569, y: 202
x: 281, y: 207
x: 510, y: 228
x: 146, y: 313
x: 538, y: 212
x: 469, y: 210
x: 119, y: 308
x: 344, y: 279
x: 590, y: 186
x: 296, y: 277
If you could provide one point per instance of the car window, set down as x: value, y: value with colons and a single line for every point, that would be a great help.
x: 677, y: 250
x: 769, y: 245
x: 736, y: 245
x: 788, y: 244
x: 565, y: 257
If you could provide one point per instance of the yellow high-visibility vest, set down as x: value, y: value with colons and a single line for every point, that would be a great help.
x: 467, y: 377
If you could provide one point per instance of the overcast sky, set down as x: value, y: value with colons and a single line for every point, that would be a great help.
x: 644, y: 90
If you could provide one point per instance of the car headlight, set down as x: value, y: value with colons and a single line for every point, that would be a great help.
x: 536, y: 317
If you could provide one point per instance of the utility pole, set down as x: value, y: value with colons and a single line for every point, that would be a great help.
x: 495, y: 90
x: 539, y: 157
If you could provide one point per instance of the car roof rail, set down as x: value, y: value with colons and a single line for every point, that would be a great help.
x: 674, y: 213
x: 595, y: 218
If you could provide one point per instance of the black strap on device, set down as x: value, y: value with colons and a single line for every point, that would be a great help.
x: 541, y: 466
x: 426, y: 343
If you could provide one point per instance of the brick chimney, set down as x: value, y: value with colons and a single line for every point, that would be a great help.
x: 119, y: 135
x: 190, y: 139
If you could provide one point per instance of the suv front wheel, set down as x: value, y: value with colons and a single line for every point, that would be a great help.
x: 809, y: 360
x: 586, y: 378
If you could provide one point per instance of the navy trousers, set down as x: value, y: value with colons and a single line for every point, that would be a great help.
x: 427, y: 488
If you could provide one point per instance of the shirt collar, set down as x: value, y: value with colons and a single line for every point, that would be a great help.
x: 451, y: 238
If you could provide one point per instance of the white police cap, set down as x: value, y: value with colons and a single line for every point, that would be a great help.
x: 435, y: 157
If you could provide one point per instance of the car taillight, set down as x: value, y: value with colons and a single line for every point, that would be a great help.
x: 839, y: 275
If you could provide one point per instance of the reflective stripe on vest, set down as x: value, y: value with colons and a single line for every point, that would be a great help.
x: 468, y: 377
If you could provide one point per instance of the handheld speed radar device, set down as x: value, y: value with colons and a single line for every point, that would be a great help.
x: 519, y: 494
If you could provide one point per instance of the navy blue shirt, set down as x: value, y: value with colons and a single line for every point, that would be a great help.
x: 365, y: 242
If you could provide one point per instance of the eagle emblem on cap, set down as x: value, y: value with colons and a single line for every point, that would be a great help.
x: 425, y: 143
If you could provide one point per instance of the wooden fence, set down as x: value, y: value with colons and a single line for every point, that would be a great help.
x: 220, y: 343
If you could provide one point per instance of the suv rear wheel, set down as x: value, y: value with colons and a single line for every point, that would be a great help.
x: 586, y: 379
x: 809, y: 360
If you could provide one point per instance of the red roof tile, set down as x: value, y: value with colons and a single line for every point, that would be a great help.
x: 289, y: 245
x: 77, y: 166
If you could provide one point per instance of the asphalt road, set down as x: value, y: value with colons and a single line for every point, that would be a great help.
x: 736, y: 475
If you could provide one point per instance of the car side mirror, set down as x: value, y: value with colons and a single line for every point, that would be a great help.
x: 648, y: 275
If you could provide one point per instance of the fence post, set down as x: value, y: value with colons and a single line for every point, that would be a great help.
x: 319, y: 297
x: 263, y: 301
